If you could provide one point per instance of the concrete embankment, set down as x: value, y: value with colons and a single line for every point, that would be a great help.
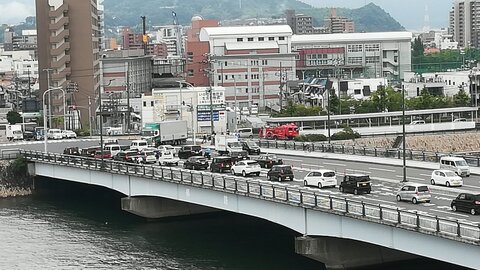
x: 14, y: 178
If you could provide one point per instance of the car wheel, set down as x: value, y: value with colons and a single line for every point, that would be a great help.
x: 305, y: 183
x: 473, y: 212
x: 320, y: 185
x: 257, y: 174
x: 432, y: 182
x: 244, y: 174
x: 447, y: 184
x: 414, y: 200
x: 355, y: 191
x: 193, y: 167
x: 454, y: 208
x: 399, y: 198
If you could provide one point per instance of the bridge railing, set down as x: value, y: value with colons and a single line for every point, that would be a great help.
x: 396, y: 153
x: 285, y: 193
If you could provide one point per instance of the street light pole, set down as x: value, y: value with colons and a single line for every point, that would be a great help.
x: 45, y: 139
x: 404, y: 136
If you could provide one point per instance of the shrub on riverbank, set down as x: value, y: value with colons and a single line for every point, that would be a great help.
x: 14, y: 178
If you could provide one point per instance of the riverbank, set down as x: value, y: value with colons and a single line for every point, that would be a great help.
x: 443, y: 143
x: 14, y: 178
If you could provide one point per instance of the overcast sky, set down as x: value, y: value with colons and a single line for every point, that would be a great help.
x: 410, y: 13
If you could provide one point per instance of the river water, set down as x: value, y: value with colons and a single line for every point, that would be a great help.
x: 80, y: 227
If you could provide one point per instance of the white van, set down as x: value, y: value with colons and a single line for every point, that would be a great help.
x: 455, y: 164
x: 245, y: 133
x: 113, y: 148
x: 138, y: 145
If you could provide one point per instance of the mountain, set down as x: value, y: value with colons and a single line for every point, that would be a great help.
x: 369, y: 18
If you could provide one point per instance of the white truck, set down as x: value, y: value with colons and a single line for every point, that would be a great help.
x: 14, y: 132
x: 230, y: 145
x: 166, y: 132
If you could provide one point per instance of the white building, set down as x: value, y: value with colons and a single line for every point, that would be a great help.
x: 251, y: 62
x: 171, y: 35
x: 360, y: 88
x: 177, y: 104
x: 354, y: 55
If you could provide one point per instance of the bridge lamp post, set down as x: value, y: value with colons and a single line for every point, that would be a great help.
x: 404, y: 179
x: 45, y: 139
x: 101, y: 115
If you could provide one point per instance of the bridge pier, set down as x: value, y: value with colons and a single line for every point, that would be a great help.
x: 339, y: 253
x: 156, y: 207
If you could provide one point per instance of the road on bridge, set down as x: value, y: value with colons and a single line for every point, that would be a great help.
x: 386, y: 179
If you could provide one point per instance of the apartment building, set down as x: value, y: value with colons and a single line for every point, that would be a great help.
x: 68, y: 51
x: 466, y: 22
x: 253, y: 63
x: 353, y: 55
x: 26, y: 41
x: 338, y: 24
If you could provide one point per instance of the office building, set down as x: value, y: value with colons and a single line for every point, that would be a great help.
x: 68, y: 52
x: 466, y: 22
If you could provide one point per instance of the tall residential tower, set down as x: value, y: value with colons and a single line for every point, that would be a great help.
x: 68, y: 52
x: 466, y: 22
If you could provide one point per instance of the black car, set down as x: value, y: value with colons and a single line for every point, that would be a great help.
x: 221, y: 164
x: 466, y: 202
x: 280, y: 173
x: 73, y: 151
x: 196, y: 163
x: 268, y: 160
x: 89, y: 152
x: 356, y: 183
x: 126, y: 156
x: 189, y: 150
x: 28, y: 135
x: 252, y: 148
x: 237, y: 155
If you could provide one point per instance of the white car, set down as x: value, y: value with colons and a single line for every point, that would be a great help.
x: 167, y: 158
x: 146, y: 157
x: 69, y: 134
x: 246, y: 167
x: 446, y: 177
x: 167, y: 147
x: 55, y: 134
x: 320, y: 178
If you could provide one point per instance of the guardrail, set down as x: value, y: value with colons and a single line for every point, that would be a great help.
x: 396, y: 153
x: 279, y: 192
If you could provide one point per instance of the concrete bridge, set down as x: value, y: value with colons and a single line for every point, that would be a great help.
x: 340, y: 232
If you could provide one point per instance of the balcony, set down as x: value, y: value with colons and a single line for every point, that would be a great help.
x: 57, y: 12
x: 60, y: 37
x: 62, y: 22
x: 64, y: 47
x: 61, y: 62
x: 62, y: 75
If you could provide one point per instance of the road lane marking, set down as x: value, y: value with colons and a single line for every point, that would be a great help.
x: 383, y: 170
x: 360, y: 171
x: 335, y: 164
x: 470, y: 186
x: 426, y: 175
x: 291, y: 159
x: 409, y: 177
x: 449, y: 212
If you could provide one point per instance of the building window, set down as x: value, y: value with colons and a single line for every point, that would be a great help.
x: 372, y: 59
x: 190, y: 57
x: 246, y: 90
x: 151, y: 103
x: 357, y: 91
x: 226, y: 63
x: 264, y: 62
x: 385, y: 54
x: 281, y: 38
x: 239, y: 39
x: 246, y: 76
x: 190, y: 72
x: 271, y: 38
x: 372, y: 47
x: 250, y: 39
x: 219, y: 77
x: 261, y: 39
x: 355, y: 60
x: 355, y: 48
x: 144, y: 104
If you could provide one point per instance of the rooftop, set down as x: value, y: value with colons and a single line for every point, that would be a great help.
x: 245, y: 30
x: 346, y: 37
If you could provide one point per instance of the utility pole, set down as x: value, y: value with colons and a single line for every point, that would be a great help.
x: 281, y: 88
x: 404, y: 135
x: 144, y: 36
x: 49, y: 111
x: 128, y: 97
x: 90, y: 115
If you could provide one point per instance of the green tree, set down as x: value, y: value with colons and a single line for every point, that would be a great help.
x: 334, y: 104
x: 417, y: 47
x: 14, y: 118
x: 461, y: 99
x: 57, y: 121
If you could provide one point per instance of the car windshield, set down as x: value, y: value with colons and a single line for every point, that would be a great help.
x: 196, y: 148
x: 252, y: 144
x: 450, y: 174
x: 272, y: 157
x: 461, y: 163
x: 147, y: 133
x: 287, y: 169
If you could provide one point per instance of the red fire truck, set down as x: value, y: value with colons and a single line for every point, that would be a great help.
x: 283, y: 132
